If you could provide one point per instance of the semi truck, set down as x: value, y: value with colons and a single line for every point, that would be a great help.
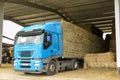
x: 41, y: 48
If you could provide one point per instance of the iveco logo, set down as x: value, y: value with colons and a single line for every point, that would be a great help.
x: 25, y: 47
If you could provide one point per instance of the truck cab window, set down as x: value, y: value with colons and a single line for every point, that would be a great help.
x: 47, y: 40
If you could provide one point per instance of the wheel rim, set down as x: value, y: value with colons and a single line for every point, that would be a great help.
x: 75, y: 65
x: 52, y: 67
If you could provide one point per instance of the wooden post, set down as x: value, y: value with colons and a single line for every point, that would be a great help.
x: 1, y: 28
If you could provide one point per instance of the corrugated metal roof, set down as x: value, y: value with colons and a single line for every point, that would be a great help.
x: 29, y: 12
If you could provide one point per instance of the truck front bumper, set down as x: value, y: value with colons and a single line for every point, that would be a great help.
x: 29, y: 65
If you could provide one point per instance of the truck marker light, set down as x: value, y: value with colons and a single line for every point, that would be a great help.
x: 36, y: 64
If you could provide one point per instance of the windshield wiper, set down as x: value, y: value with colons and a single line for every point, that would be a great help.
x: 30, y: 43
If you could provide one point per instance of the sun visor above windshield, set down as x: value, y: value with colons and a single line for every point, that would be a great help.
x: 30, y: 33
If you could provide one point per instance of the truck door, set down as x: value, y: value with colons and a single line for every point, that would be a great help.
x: 50, y: 45
x: 55, y: 44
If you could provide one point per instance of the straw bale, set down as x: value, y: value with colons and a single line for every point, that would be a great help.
x: 92, y: 29
x: 112, y: 46
x: 77, y: 41
x: 100, y: 60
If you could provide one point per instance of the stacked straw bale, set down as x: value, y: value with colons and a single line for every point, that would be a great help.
x: 112, y: 45
x: 77, y: 41
x: 92, y: 29
x: 101, y: 60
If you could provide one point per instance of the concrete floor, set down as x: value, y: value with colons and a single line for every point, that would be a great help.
x: 7, y: 73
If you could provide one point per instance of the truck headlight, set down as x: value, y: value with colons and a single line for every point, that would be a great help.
x: 36, y: 64
x: 15, y: 61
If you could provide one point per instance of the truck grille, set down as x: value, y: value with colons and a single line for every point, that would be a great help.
x: 28, y: 62
x: 25, y: 53
x: 25, y: 66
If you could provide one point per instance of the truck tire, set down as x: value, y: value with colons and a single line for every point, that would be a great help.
x: 26, y: 73
x: 51, y: 70
x: 75, y: 64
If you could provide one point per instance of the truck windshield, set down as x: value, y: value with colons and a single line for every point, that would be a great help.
x: 30, y: 39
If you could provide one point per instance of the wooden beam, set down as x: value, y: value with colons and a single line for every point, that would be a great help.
x: 104, y: 25
x: 42, y: 21
x: 95, y: 19
x: 107, y: 30
x: 102, y: 22
x: 11, y: 19
x: 33, y: 17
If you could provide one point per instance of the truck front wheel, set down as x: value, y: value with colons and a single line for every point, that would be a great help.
x: 51, y: 70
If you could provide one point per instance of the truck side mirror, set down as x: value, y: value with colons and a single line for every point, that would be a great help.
x: 47, y: 40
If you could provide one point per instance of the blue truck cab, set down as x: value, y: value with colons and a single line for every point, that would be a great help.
x: 38, y: 48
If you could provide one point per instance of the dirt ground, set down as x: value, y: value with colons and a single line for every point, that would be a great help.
x: 7, y: 73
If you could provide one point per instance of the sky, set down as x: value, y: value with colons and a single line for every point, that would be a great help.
x: 9, y: 30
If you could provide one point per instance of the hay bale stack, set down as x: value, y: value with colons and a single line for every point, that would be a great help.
x: 106, y: 60
x: 110, y: 42
x: 92, y: 29
x: 77, y: 41
x: 113, y: 39
x: 112, y: 45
